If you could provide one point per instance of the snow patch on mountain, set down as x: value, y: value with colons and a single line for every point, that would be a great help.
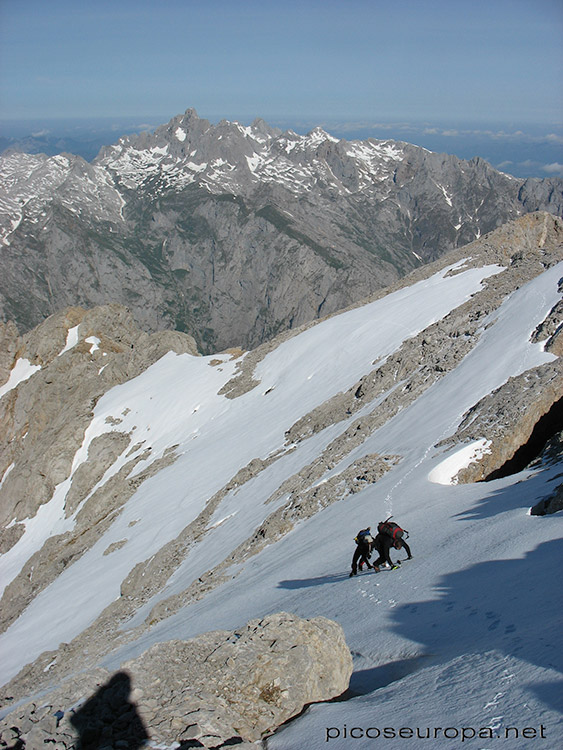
x: 295, y: 378
x: 72, y: 339
x: 22, y: 370
x: 446, y: 472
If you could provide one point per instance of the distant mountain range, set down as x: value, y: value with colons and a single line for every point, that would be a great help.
x: 235, y: 233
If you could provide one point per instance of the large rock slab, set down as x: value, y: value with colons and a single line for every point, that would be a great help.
x: 220, y: 687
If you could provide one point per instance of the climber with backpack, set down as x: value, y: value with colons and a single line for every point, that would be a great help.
x: 389, y: 535
x: 362, y: 553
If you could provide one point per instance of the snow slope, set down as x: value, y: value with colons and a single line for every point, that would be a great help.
x: 466, y: 635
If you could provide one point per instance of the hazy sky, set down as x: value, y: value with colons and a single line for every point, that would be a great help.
x: 449, y: 60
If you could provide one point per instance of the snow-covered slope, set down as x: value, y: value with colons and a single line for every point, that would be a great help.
x: 258, y: 511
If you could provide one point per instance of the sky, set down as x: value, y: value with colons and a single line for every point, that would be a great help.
x: 436, y: 60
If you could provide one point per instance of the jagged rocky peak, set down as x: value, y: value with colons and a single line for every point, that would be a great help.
x: 261, y: 126
x: 191, y: 117
x: 319, y: 134
x: 188, y: 131
x: 184, y: 129
x: 189, y: 142
x: 234, y: 232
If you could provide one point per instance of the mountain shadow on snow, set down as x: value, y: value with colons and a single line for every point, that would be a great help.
x: 483, y: 604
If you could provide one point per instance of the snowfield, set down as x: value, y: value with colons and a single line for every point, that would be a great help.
x: 462, y: 644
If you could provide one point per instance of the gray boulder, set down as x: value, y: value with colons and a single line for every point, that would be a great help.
x: 220, y: 687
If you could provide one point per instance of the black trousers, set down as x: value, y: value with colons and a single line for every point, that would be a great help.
x: 361, y: 556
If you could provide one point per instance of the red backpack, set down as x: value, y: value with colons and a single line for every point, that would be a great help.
x: 392, y: 529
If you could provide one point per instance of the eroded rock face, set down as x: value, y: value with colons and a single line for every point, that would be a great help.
x: 507, y: 417
x: 76, y: 356
x: 219, y: 687
x: 72, y: 359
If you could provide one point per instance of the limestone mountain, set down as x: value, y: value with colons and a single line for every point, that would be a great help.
x: 149, y: 495
x: 234, y: 233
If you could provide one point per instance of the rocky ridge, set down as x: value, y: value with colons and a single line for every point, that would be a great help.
x: 236, y: 233
x: 72, y: 359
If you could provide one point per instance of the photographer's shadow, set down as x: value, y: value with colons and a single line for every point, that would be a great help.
x: 109, y: 718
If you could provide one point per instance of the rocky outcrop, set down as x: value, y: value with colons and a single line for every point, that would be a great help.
x: 507, y: 419
x: 218, y: 689
x: 517, y: 419
x: 551, y: 504
x: 551, y: 330
x: 72, y: 359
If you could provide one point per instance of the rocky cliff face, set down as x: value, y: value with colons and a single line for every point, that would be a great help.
x: 234, y: 233
x: 53, y: 377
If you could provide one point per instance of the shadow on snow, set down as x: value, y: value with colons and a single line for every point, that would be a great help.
x: 524, y: 493
x: 303, y: 583
x: 502, y: 605
x: 365, y: 681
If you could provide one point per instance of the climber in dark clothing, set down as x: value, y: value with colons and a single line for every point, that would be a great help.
x: 383, y: 543
x: 362, y: 553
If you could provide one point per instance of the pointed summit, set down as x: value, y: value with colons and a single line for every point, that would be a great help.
x: 261, y: 126
x: 180, y: 131
x: 193, y: 122
x: 318, y: 135
x: 191, y: 113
